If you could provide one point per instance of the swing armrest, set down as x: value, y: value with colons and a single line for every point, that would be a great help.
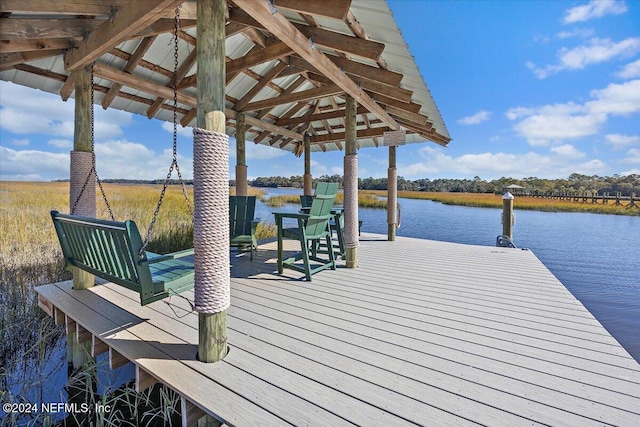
x: 153, y: 257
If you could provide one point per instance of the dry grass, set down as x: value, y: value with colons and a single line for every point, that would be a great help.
x: 30, y: 256
x: 526, y: 203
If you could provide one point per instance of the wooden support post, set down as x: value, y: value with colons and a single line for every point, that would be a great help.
x: 241, y: 158
x: 351, y: 184
x: 392, y: 195
x: 308, y: 190
x: 212, y: 327
x: 507, y: 215
x: 84, y: 202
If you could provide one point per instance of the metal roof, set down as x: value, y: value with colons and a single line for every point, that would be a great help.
x: 33, y: 46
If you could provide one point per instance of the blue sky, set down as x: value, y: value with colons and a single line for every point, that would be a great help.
x: 526, y: 88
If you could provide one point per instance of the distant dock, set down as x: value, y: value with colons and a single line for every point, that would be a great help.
x: 422, y: 333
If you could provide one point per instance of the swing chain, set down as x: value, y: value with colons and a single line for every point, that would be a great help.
x: 93, y: 160
x: 174, y: 163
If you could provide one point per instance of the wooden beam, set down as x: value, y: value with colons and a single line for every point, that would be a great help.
x: 68, y: 7
x: 33, y: 45
x: 305, y: 95
x: 31, y: 28
x: 128, y: 21
x: 144, y: 85
x: 342, y: 43
x: 335, y: 114
x: 334, y: 9
x: 284, y: 30
x: 364, y: 133
x: 133, y: 62
x: 328, y: 39
x: 276, y: 50
x: 8, y: 60
x: 369, y: 85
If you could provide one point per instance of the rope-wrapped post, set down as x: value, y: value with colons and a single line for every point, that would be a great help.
x: 350, y: 232
x: 392, y: 195
x: 308, y: 190
x: 392, y: 202
x: 82, y: 188
x: 211, y: 184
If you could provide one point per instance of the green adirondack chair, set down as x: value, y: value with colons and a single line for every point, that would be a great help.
x: 242, y: 224
x: 311, y: 228
x: 113, y: 251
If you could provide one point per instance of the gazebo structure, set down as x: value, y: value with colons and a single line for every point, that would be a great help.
x: 455, y: 334
x: 301, y: 76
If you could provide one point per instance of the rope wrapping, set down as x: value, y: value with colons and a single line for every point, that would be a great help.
x: 241, y: 180
x: 211, y: 221
x: 82, y: 202
x: 392, y: 195
x: 350, y: 232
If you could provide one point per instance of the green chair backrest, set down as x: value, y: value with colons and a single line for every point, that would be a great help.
x: 305, y: 201
x: 319, y: 213
x: 241, y: 213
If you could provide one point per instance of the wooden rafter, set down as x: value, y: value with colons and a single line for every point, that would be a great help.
x: 315, y: 93
x: 264, y: 81
x: 69, y: 7
x: 334, y: 9
x: 128, y: 21
x: 289, y: 34
x: 133, y: 62
x: 38, y: 28
x: 334, y: 137
x: 323, y: 38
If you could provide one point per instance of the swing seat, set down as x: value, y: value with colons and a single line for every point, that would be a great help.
x: 111, y: 250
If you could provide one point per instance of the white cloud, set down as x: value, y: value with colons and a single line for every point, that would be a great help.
x: 61, y: 143
x: 26, y: 110
x: 32, y: 165
x: 558, y: 122
x: 576, y: 32
x: 629, y: 71
x: 478, y: 117
x: 568, y: 151
x: 594, y: 9
x: 619, y: 141
x: 23, y: 142
x: 632, y: 156
x: 494, y: 165
x: 597, y: 50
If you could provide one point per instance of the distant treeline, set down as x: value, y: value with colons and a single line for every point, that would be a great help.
x: 575, y: 183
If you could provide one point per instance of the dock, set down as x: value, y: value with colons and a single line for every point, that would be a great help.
x: 422, y: 333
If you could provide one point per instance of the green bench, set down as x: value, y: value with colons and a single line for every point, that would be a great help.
x: 111, y: 250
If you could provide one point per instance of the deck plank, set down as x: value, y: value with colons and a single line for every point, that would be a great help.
x: 455, y: 335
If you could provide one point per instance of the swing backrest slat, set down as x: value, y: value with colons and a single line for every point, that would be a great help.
x: 111, y: 251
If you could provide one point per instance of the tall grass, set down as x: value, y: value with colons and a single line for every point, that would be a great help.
x: 30, y: 256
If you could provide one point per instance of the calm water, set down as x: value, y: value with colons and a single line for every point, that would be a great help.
x: 597, y: 257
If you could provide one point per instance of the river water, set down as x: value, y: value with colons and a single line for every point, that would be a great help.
x: 597, y: 257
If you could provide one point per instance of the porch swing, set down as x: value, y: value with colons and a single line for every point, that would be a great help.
x: 115, y: 251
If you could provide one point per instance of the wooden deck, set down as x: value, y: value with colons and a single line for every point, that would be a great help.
x: 422, y: 333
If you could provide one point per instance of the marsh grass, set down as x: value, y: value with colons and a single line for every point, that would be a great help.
x: 30, y: 256
x: 489, y: 200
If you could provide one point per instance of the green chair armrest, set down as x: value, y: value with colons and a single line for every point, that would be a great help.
x: 153, y: 258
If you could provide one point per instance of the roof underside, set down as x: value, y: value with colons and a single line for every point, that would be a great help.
x: 282, y: 92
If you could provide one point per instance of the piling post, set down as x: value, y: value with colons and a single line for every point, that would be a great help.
x: 211, y: 184
x: 241, y: 158
x: 351, y: 185
x: 308, y: 191
x: 507, y: 215
x: 392, y: 195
